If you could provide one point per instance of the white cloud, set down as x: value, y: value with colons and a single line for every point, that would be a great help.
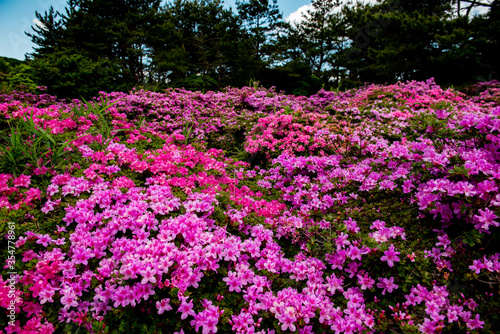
x: 39, y: 24
x: 297, y: 16
x: 480, y: 11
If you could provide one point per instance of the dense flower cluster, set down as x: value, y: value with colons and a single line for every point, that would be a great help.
x: 372, y: 210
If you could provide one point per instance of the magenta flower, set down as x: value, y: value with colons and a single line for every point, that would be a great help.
x: 163, y: 305
x: 29, y: 255
x: 69, y: 298
x: 377, y: 224
x: 387, y: 284
x: 46, y: 295
x: 429, y: 326
x: 184, y: 214
x: 287, y: 318
x: 475, y: 323
x: 44, y: 240
x: 476, y: 266
x: 365, y: 281
x: 453, y: 312
x: 334, y: 283
x: 242, y: 321
x: 485, y: 219
x: 186, y: 308
x: 208, y: 318
x: 390, y: 256
x: 148, y: 275
x: 121, y: 296
x: 233, y: 281
x: 81, y: 256
x: 22, y: 181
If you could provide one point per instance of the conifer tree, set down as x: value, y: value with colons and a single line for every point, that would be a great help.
x: 91, y: 40
x: 317, y: 39
x: 260, y: 20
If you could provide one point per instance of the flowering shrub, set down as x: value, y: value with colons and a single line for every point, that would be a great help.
x: 487, y: 93
x: 297, y: 133
x: 375, y: 210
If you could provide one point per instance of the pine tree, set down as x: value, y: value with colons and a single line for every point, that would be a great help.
x: 260, y: 20
x: 196, y: 46
x: 92, y: 39
x: 410, y: 40
x: 317, y: 39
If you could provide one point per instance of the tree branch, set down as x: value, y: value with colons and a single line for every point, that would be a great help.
x: 477, y: 3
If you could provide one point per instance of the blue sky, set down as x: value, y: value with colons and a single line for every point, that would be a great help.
x: 16, y: 17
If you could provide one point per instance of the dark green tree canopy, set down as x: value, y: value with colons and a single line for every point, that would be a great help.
x: 113, y: 45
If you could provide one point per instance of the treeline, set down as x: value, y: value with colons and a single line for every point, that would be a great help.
x: 115, y: 45
x: 16, y: 74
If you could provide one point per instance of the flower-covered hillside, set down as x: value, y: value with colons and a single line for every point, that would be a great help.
x: 249, y: 211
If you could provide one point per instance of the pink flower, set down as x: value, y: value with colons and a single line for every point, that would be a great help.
x: 22, y: 181
x: 49, y: 205
x: 148, y: 275
x: 44, y: 239
x: 334, y: 283
x: 163, y: 305
x: 123, y: 182
x: 29, y: 255
x: 179, y: 136
x: 453, y: 312
x: 69, y: 298
x: 242, y: 321
x: 186, y: 308
x: 387, y: 285
x: 485, y: 219
x: 208, y: 318
x: 476, y: 266
x: 377, y: 224
x: 390, y: 256
x: 428, y: 327
x: 46, y: 295
x: 121, y: 296
x: 287, y: 319
x: 365, y: 281
x: 475, y: 323
x: 352, y: 268
x: 81, y: 256
x: 52, y: 189
x: 355, y: 253
x: 233, y: 281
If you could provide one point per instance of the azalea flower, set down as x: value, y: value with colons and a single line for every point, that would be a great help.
x: 387, y: 284
x: 390, y: 256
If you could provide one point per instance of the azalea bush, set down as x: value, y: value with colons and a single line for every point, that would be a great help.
x: 250, y: 211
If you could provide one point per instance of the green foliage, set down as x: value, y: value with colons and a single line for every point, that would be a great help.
x: 29, y: 146
x: 196, y: 82
x: 15, y: 154
x: 95, y: 46
x: 102, y: 126
x: 294, y: 77
x: 186, y: 131
x: 71, y: 75
x: 398, y: 40
x: 105, y: 45
x: 16, y: 75
x: 40, y: 135
x: 316, y: 40
x: 205, y: 49
x: 260, y: 20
